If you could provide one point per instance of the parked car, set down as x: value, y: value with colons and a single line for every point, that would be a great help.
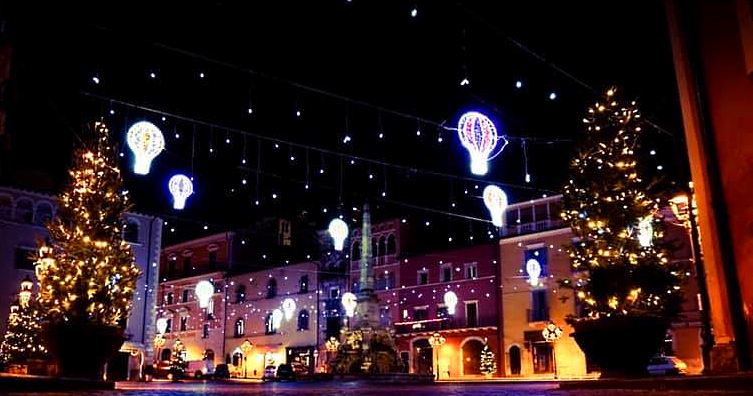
x: 285, y: 372
x: 220, y: 372
x: 667, y: 365
x: 270, y: 373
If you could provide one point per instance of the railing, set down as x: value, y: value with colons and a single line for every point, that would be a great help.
x: 537, y: 315
x: 422, y: 325
x: 525, y: 228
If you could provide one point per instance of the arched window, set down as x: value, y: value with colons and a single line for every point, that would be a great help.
x: 303, y: 320
x: 374, y: 247
x: 24, y: 211
x: 304, y: 284
x: 131, y: 231
x: 240, y: 327
x: 391, y: 280
x: 382, y: 246
x: 6, y: 207
x: 272, y: 288
x: 269, y: 324
x: 357, y: 251
x: 43, y: 214
x: 237, y: 359
x: 391, y: 244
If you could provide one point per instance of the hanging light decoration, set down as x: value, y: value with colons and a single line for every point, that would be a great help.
x: 288, y: 306
x: 161, y: 325
x: 146, y: 142
x: 204, y: 291
x: 450, y: 300
x: 533, y: 269
x: 349, y: 302
x: 181, y: 188
x: 276, y: 318
x: 338, y: 229
x: 496, y: 201
x: 479, y: 136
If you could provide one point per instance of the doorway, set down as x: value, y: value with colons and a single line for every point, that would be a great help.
x: 514, y: 360
x: 472, y: 357
x: 423, y: 362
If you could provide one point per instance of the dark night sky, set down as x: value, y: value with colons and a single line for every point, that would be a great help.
x: 368, y: 50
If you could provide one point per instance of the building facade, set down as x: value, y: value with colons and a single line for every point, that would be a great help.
x: 23, y: 215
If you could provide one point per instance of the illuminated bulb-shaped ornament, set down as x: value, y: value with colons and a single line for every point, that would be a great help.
x: 349, y: 302
x: 288, y: 306
x: 276, y: 318
x: 450, y: 300
x: 338, y: 229
x: 479, y: 136
x: 533, y: 269
x: 146, y: 142
x: 204, y: 291
x: 181, y: 187
x: 161, y: 325
x: 496, y: 201
x: 646, y: 232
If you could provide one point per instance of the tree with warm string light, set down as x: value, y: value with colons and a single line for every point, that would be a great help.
x: 23, y: 340
x: 488, y: 362
x: 629, y: 288
x: 87, y: 273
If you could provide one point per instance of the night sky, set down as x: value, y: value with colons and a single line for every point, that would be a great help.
x: 275, y: 56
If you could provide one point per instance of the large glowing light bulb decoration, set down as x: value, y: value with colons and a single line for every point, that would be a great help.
x: 349, y: 302
x: 204, y: 291
x: 533, y: 269
x: 451, y: 301
x: 646, y: 232
x: 288, y: 307
x: 146, y: 142
x: 181, y: 187
x: 338, y: 229
x: 479, y: 136
x: 496, y: 201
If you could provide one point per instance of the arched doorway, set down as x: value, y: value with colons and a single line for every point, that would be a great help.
x: 472, y: 357
x: 422, y: 357
x: 514, y: 360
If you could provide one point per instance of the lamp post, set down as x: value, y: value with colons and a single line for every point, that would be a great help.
x: 331, y: 345
x: 684, y: 209
x: 159, y: 341
x: 551, y: 334
x: 246, y: 347
x: 436, y: 341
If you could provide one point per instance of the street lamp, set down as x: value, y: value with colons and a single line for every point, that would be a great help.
x: 246, y: 347
x: 331, y: 345
x: 436, y: 341
x: 551, y: 334
x: 159, y: 341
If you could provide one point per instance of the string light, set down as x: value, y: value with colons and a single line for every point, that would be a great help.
x: 95, y: 80
x: 153, y: 75
x: 414, y: 12
x: 552, y: 96
x: 518, y: 84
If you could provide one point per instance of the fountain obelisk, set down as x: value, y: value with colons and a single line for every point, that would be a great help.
x: 367, y: 310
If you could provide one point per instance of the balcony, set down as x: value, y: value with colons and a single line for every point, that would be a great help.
x: 527, y: 228
x: 416, y: 326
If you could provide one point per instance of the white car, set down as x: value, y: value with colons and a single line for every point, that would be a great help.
x: 666, y: 365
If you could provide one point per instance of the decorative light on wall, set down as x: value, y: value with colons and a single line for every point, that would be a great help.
x: 181, y: 188
x: 288, y: 306
x: 496, y: 201
x: 204, y: 291
x: 646, y: 232
x: 338, y: 229
x: 146, y: 142
x: 161, y: 325
x: 451, y: 301
x: 349, y: 302
x: 479, y: 136
x: 533, y: 269
x: 276, y: 318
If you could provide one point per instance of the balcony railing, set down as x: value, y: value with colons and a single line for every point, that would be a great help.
x: 525, y: 228
x: 422, y: 325
x: 537, y: 315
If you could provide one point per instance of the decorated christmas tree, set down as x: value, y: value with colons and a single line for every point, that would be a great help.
x: 619, y: 252
x: 87, y: 273
x: 488, y: 362
x: 22, y: 339
x: 177, y: 363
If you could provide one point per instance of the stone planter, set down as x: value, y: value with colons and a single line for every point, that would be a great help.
x: 622, y: 345
x: 81, y: 351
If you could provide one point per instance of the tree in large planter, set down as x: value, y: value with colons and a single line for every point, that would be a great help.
x: 86, y: 271
x: 627, y: 284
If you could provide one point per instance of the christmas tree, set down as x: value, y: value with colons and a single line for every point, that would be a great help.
x: 87, y: 274
x: 619, y: 252
x: 177, y: 363
x: 488, y: 362
x: 22, y: 339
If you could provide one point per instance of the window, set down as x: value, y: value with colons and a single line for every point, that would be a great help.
x: 391, y: 245
x: 471, y: 313
x: 303, y: 320
x: 539, y: 307
x: 131, y: 231
x: 240, y: 327
x: 25, y: 258
x: 205, y: 331
x: 334, y: 292
x: 169, y: 326
x: 391, y: 280
x: 384, y: 316
x: 471, y: 271
x: 423, y: 277
x: 420, y: 313
x: 213, y: 258
x: 538, y: 254
x: 24, y: 211
x: 446, y: 273
x: 356, y: 251
x: 6, y: 207
x: 43, y: 214
x: 442, y: 312
x: 269, y: 324
x: 169, y: 299
x: 171, y: 265
x: 186, y: 294
x: 187, y: 264
x: 183, y: 323
x: 303, y: 284
x: 240, y: 294
x: 382, y: 246
x: 210, y: 309
x: 272, y: 288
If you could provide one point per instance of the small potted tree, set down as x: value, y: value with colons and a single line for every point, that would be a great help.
x: 86, y: 270
x: 629, y: 288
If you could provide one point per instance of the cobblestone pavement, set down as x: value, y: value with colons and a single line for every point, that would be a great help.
x: 361, y: 389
